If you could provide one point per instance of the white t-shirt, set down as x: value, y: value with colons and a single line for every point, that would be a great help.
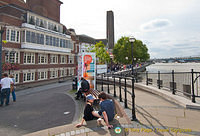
x: 5, y: 82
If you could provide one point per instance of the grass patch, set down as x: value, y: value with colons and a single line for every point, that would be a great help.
x: 72, y: 91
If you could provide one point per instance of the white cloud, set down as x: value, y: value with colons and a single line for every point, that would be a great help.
x: 156, y: 24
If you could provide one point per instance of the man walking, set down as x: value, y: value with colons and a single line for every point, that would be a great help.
x: 5, y: 88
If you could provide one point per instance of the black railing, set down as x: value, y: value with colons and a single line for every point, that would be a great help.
x: 186, y: 84
x: 121, y: 82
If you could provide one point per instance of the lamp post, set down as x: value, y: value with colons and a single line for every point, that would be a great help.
x: 132, y: 40
x: 1, y: 38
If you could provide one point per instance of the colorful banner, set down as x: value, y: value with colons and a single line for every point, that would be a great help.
x: 87, y: 69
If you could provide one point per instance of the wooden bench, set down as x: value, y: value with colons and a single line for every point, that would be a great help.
x: 95, y: 94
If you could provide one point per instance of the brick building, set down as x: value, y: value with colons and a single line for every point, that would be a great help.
x: 37, y: 48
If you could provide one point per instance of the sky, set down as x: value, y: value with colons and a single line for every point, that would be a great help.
x: 169, y: 28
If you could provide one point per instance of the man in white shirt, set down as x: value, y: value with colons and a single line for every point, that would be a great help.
x: 5, y: 88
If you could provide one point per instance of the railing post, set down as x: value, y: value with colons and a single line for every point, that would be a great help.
x: 147, y: 82
x: 125, y: 94
x: 102, y: 82
x: 173, y: 85
x: 114, y: 87
x: 158, y: 79
x: 133, y: 101
x: 120, y: 89
x: 193, y: 95
x: 136, y: 76
x: 108, y: 84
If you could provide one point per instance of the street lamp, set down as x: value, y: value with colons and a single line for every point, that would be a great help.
x: 132, y: 40
x: 1, y: 38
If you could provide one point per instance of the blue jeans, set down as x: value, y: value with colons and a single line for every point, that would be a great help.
x: 13, y: 95
x: 5, y: 93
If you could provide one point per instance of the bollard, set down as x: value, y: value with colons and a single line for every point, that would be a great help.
x: 114, y: 87
x: 108, y: 84
x: 158, y: 79
x: 133, y: 101
x: 125, y: 94
x: 193, y: 95
x: 120, y: 90
x: 147, y: 83
x: 102, y: 82
x: 173, y: 86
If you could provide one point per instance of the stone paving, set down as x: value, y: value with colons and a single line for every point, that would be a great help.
x: 156, y: 117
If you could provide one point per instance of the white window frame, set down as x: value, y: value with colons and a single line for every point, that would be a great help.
x: 26, y: 55
x: 52, y: 58
x: 40, y: 75
x: 16, y: 35
x: 25, y: 77
x: 71, y: 60
x: 40, y: 56
x: 54, y: 73
x: 16, y: 57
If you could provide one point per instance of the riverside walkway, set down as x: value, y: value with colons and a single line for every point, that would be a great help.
x: 156, y: 117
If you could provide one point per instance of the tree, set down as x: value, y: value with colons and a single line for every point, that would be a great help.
x: 101, y: 52
x: 122, y: 51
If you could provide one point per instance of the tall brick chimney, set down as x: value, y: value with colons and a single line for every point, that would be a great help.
x: 47, y: 8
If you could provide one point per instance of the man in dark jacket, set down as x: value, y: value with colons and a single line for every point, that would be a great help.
x: 85, y: 87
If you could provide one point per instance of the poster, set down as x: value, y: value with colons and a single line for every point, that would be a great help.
x: 87, y: 69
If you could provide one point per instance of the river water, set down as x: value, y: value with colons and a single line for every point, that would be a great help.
x: 177, y: 67
x: 182, y: 80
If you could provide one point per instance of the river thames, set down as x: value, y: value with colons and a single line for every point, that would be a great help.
x: 177, y: 67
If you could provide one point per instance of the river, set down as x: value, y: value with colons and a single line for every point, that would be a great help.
x: 177, y: 67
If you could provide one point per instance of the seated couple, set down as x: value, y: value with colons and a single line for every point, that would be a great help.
x: 106, y: 111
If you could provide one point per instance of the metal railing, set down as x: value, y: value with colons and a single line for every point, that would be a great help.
x: 184, y: 84
x: 119, y: 80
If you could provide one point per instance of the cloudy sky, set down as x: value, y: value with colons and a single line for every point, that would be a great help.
x: 169, y: 28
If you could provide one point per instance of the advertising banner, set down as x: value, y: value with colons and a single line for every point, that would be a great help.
x: 87, y: 69
x: 101, y: 69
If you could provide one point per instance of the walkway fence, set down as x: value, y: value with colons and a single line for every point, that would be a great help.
x: 186, y: 84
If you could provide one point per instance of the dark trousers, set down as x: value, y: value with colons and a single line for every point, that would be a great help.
x: 79, y: 93
x: 5, y: 94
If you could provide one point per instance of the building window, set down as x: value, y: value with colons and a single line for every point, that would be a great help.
x: 62, y: 72
x: 71, y: 60
x: 33, y: 37
x: 16, y: 76
x: 71, y: 71
x: 30, y: 76
x: 54, y: 59
x: 29, y: 58
x: 42, y: 75
x: 63, y: 59
x: 42, y: 59
x: 12, y: 57
x: 53, y: 73
x: 13, y: 35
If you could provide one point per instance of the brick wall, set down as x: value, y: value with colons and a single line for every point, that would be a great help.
x: 44, y: 8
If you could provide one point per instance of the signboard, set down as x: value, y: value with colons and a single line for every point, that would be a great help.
x: 101, y: 69
x: 87, y: 69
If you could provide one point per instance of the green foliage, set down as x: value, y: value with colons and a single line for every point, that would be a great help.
x: 101, y: 52
x: 122, y: 50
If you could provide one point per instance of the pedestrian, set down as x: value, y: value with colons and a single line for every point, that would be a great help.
x: 89, y: 113
x: 85, y: 87
x: 106, y: 109
x: 5, y: 88
x: 12, y: 88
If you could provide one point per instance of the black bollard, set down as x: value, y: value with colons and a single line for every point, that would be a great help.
x: 125, y: 94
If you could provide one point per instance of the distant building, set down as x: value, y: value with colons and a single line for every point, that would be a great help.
x: 86, y: 41
x: 110, y: 29
x: 38, y: 47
